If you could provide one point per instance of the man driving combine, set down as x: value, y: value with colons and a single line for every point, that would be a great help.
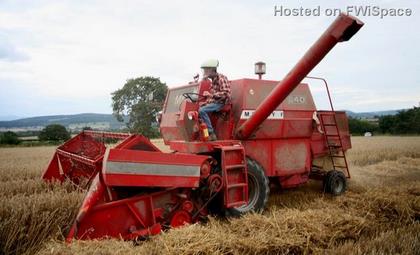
x: 218, y: 96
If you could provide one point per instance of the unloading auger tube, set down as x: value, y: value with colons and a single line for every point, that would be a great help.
x: 341, y: 30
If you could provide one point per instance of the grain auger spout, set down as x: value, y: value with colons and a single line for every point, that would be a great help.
x: 342, y: 29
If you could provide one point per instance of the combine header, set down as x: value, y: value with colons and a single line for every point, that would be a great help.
x: 81, y: 157
x: 270, y: 133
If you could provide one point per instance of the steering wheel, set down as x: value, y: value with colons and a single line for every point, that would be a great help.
x: 193, y: 97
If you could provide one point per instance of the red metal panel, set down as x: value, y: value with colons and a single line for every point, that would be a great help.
x: 295, y: 124
x: 135, y: 180
x: 291, y: 156
x: 298, y: 108
x: 122, y: 155
x: 152, y: 169
x: 137, y: 142
x: 52, y: 172
x: 318, y: 147
x: 292, y: 181
x: 168, y: 127
x: 256, y: 91
x: 260, y: 151
x: 185, y: 126
x: 281, y: 157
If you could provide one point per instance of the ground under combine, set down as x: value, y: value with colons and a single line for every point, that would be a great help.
x: 270, y: 134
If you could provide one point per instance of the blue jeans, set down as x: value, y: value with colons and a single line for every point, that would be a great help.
x: 204, y: 113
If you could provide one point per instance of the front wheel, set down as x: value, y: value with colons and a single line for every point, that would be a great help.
x: 258, y: 190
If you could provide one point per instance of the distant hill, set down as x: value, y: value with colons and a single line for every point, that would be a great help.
x: 73, y: 122
x: 368, y: 115
x: 97, y: 121
x: 9, y: 117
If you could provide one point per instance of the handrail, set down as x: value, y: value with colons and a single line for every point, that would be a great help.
x: 326, y: 86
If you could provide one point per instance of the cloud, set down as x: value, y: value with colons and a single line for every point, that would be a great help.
x: 8, y: 52
x: 81, y: 51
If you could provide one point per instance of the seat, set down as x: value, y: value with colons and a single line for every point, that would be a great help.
x: 223, y: 117
x: 225, y: 112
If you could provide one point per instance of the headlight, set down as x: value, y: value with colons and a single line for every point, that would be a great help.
x: 193, y: 115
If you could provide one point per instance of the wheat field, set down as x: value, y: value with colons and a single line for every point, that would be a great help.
x: 379, y: 214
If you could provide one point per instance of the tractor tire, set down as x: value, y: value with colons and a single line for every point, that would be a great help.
x: 258, y: 190
x: 335, y: 183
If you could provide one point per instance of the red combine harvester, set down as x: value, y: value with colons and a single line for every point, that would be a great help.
x: 270, y: 133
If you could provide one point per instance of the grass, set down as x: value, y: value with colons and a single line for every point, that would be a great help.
x: 378, y: 215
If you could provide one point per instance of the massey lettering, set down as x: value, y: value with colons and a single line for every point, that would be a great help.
x: 276, y: 115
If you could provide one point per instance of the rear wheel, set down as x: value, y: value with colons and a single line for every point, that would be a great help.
x: 258, y: 190
x: 335, y: 182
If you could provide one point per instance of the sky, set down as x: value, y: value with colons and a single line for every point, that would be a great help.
x: 67, y: 57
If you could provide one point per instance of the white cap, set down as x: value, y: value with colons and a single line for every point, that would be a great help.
x: 211, y: 63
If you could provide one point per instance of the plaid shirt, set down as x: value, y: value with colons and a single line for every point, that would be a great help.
x: 219, y: 90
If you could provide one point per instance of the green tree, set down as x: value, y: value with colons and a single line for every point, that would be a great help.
x: 408, y: 121
x: 387, y: 124
x: 404, y: 122
x: 139, y: 100
x: 9, y: 137
x: 359, y: 127
x: 54, y: 132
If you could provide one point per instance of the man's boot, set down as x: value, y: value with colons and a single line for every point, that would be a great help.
x: 212, y: 137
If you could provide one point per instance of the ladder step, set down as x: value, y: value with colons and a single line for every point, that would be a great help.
x: 334, y: 135
x: 237, y: 185
x: 341, y: 166
x: 234, y: 171
x: 330, y: 125
x: 229, y: 167
x: 338, y: 156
